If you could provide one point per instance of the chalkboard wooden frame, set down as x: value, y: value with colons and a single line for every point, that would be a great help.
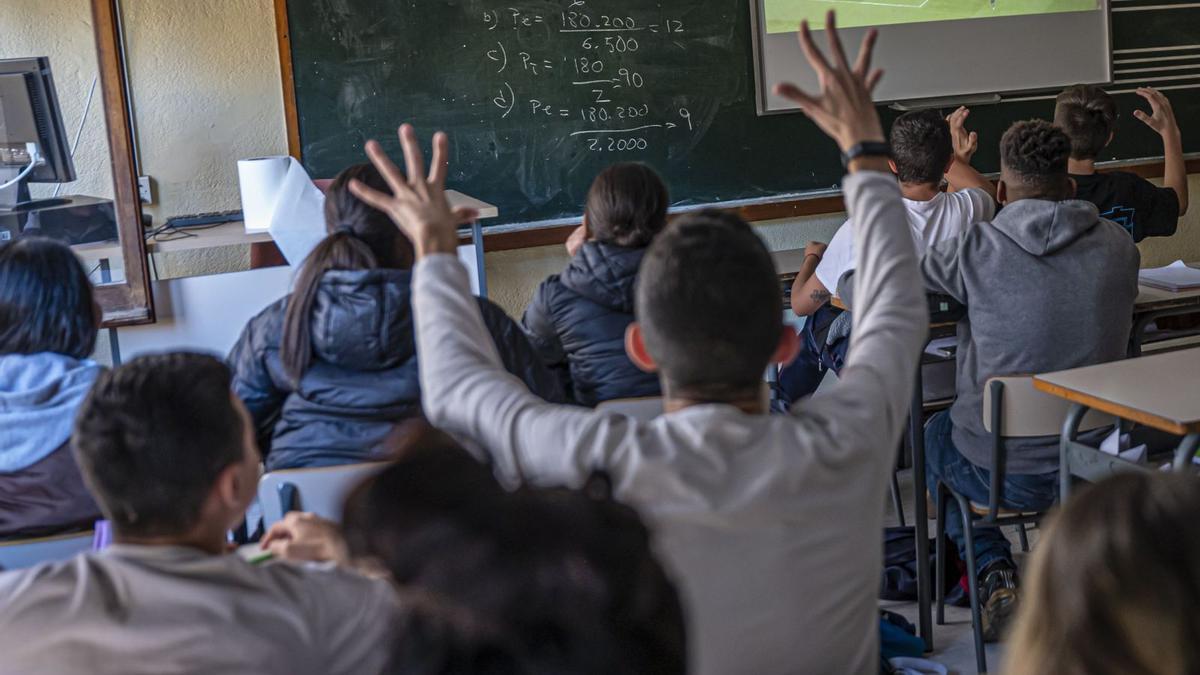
x: 512, y: 239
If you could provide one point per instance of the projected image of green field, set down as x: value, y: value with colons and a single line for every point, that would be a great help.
x: 783, y: 16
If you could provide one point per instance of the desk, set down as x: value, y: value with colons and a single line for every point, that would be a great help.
x: 231, y: 234
x: 1156, y: 303
x: 1157, y: 391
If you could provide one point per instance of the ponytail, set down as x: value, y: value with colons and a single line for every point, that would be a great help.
x: 342, y: 250
x: 360, y: 238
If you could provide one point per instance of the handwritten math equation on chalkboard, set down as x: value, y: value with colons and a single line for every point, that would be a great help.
x: 593, y: 55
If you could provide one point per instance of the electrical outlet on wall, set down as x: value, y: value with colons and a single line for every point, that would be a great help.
x: 146, y: 189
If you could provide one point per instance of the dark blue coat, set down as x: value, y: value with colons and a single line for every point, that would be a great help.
x: 363, y: 378
x: 577, y: 322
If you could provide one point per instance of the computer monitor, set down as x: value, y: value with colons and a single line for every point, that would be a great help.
x: 30, y: 119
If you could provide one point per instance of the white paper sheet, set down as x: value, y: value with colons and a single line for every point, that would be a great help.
x: 298, y: 216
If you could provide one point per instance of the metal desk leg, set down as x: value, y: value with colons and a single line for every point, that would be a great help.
x: 1185, y: 452
x: 916, y: 431
x: 1070, y: 432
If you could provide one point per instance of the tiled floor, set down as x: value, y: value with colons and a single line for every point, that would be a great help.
x: 953, y: 643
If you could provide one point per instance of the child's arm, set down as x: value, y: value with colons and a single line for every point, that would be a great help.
x: 808, y: 293
x: 464, y: 386
x: 961, y: 174
x: 1161, y: 119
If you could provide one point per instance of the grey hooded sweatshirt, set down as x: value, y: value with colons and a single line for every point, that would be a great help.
x: 1047, y: 286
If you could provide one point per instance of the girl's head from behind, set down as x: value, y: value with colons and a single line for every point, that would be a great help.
x: 1116, y: 583
x: 348, y: 215
x: 360, y: 237
x: 627, y: 205
x: 46, y: 302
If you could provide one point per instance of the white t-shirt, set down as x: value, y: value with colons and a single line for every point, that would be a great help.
x: 944, y: 217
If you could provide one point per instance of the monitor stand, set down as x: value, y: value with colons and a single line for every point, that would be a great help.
x: 16, y: 198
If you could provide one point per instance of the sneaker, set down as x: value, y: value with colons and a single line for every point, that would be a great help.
x: 998, y: 591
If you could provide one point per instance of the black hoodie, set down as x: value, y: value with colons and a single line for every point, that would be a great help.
x: 363, y: 377
x: 577, y: 322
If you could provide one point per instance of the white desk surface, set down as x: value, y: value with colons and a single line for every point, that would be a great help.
x: 234, y: 234
x: 1159, y: 390
x: 788, y: 263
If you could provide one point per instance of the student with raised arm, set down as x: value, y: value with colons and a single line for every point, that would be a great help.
x: 1088, y: 115
x: 926, y: 148
x: 770, y: 524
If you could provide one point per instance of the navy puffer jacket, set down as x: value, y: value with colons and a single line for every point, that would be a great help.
x: 363, y: 377
x: 577, y: 322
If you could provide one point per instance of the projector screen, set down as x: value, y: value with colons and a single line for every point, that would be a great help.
x: 931, y: 49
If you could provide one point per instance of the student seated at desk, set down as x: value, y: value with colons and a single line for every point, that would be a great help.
x: 1048, y: 285
x: 328, y: 371
x: 48, y: 323
x: 1088, y: 115
x: 925, y: 149
x: 769, y: 523
x: 1115, y: 583
x: 170, y: 454
x: 577, y: 319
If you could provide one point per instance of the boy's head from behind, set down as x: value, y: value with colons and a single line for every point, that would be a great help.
x: 165, y: 447
x: 1088, y: 115
x: 626, y: 205
x: 709, y: 309
x: 1033, y: 163
x: 922, y: 148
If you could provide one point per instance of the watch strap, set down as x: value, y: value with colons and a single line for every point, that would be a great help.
x: 866, y: 149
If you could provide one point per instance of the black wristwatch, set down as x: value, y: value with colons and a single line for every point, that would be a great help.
x: 866, y: 149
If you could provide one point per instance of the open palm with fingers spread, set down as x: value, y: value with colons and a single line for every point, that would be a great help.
x: 417, y: 203
x: 843, y: 109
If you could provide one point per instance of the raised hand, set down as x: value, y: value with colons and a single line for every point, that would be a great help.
x: 417, y: 203
x: 965, y: 143
x: 1161, y: 117
x: 843, y: 109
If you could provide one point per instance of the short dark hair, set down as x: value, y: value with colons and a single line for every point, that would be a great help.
x: 1088, y: 115
x: 921, y: 146
x: 1036, y: 152
x: 627, y: 205
x: 46, y: 302
x: 709, y: 303
x: 152, y: 437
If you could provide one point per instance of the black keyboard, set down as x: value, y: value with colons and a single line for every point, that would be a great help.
x: 202, y: 219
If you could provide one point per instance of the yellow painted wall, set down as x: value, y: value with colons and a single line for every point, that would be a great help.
x: 206, y: 91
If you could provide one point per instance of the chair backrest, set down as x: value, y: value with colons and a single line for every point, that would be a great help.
x: 1026, y: 411
x: 321, y: 490
x: 643, y: 409
x: 21, y: 553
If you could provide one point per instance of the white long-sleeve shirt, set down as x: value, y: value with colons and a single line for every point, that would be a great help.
x: 770, y: 524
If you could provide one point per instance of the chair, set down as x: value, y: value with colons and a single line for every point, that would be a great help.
x: 22, y: 553
x: 641, y: 409
x: 319, y: 490
x: 1012, y: 408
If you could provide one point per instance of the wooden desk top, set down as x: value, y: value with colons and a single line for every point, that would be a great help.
x: 1158, y: 391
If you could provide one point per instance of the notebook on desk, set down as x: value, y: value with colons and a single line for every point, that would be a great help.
x: 1177, y: 276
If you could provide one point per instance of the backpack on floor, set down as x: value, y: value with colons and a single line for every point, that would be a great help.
x: 899, y: 581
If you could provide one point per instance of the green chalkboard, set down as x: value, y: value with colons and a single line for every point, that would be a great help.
x: 538, y: 96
